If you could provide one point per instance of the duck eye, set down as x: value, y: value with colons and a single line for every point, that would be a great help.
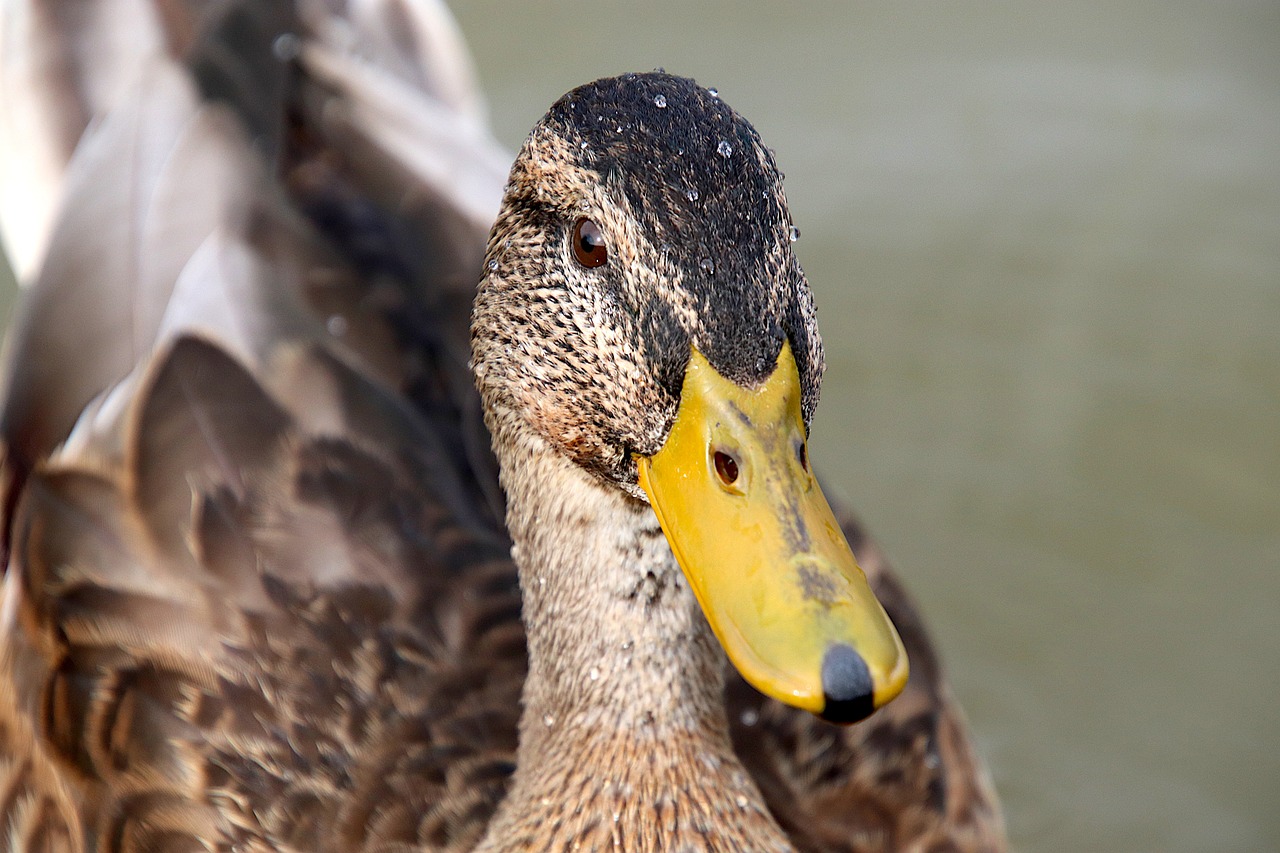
x: 588, y: 244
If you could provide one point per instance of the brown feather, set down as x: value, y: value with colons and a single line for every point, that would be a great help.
x: 114, y: 257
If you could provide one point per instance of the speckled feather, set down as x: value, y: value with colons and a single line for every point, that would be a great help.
x: 261, y: 599
x: 701, y: 255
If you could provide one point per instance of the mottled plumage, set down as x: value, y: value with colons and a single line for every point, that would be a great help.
x: 701, y: 254
x: 258, y: 592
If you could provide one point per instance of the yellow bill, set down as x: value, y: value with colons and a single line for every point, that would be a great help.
x: 762, y: 550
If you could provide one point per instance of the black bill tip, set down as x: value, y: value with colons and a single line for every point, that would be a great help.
x: 846, y: 685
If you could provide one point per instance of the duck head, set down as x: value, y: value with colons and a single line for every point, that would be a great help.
x: 643, y: 311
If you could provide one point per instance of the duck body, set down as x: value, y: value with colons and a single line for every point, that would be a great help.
x: 265, y: 588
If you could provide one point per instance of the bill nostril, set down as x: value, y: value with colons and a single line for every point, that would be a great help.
x: 726, y: 467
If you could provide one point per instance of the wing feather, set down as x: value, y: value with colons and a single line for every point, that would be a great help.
x: 324, y: 623
x: 127, y: 231
x: 63, y: 64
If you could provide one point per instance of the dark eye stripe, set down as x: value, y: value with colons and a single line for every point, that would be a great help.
x: 588, y: 243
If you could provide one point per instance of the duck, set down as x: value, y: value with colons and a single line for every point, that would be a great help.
x: 361, y: 493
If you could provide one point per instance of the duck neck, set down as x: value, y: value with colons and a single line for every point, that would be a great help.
x: 624, y: 724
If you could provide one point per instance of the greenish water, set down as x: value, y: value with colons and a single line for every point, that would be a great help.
x: 1046, y: 246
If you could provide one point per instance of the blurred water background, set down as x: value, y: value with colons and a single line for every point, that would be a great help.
x: 1045, y: 241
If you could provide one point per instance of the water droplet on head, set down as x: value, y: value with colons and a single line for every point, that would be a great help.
x: 337, y: 325
x: 793, y: 233
x: 583, y: 145
x: 286, y: 47
x: 493, y: 265
x: 750, y: 717
x: 691, y: 194
x: 713, y: 92
x: 724, y: 149
x: 548, y: 720
x: 707, y: 265
x: 660, y: 101
x: 594, y: 674
x: 742, y: 802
